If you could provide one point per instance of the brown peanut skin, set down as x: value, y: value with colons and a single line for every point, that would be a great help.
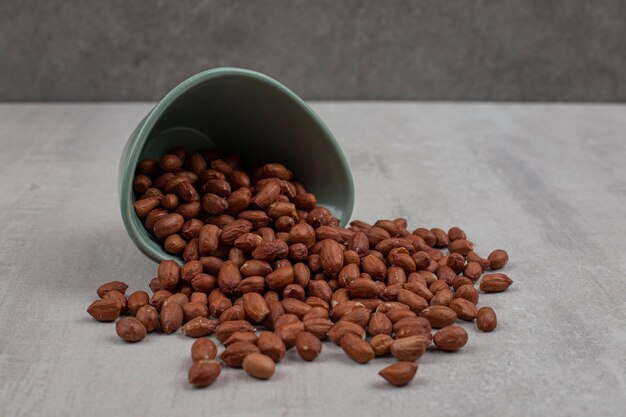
x: 249, y: 337
x: 148, y: 316
x: 486, y: 319
x: 203, y: 349
x: 356, y: 348
x: 271, y: 345
x: 170, y: 163
x: 318, y: 326
x: 171, y: 317
x: 467, y: 292
x: 259, y: 366
x: 439, y: 316
x: 118, y: 286
x: 455, y: 233
x: 308, y: 346
x: 399, y: 373
x: 498, y: 259
x: 120, y: 298
x: 137, y: 300
x: 450, y: 338
x: 379, y: 324
x: 204, y: 372
x: 130, y: 329
x: 168, y: 225
x: 288, y: 332
x: 104, y: 310
x: 255, y: 306
x: 168, y: 274
x: 460, y: 246
x: 199, y: 327
x: 381, y: 343
x: 259, y: 249
x: 464, y: 309
x: 495, y: 283
x: 410, y: 348
x: 235, y: 353
x: 227, y: 328
x: 144, y: 206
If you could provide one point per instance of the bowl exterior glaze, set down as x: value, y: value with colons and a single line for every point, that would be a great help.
x: 240, y: 111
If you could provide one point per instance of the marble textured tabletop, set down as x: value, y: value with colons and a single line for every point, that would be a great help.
x: 546, y: 182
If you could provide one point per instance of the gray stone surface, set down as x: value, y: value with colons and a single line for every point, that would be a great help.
x: 546, y: 182
x: 528, y: 50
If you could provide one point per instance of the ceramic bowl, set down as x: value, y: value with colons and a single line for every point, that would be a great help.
x: 245, y: 112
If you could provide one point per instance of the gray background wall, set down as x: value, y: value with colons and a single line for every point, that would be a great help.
x: 561, y: 50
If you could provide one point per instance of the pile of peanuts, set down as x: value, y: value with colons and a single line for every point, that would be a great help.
x: 265, y: 268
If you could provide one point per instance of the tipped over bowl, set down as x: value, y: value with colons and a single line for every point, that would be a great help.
x: 244, y: 112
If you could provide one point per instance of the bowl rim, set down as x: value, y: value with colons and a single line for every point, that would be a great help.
x: 137, y: 140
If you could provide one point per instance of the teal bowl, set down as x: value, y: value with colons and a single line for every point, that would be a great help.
x: 245, y: 112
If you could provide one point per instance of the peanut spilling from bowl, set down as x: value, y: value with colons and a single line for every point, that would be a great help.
x: 266, y: 268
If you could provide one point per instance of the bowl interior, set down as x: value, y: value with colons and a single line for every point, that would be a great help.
x: 243, y: 112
